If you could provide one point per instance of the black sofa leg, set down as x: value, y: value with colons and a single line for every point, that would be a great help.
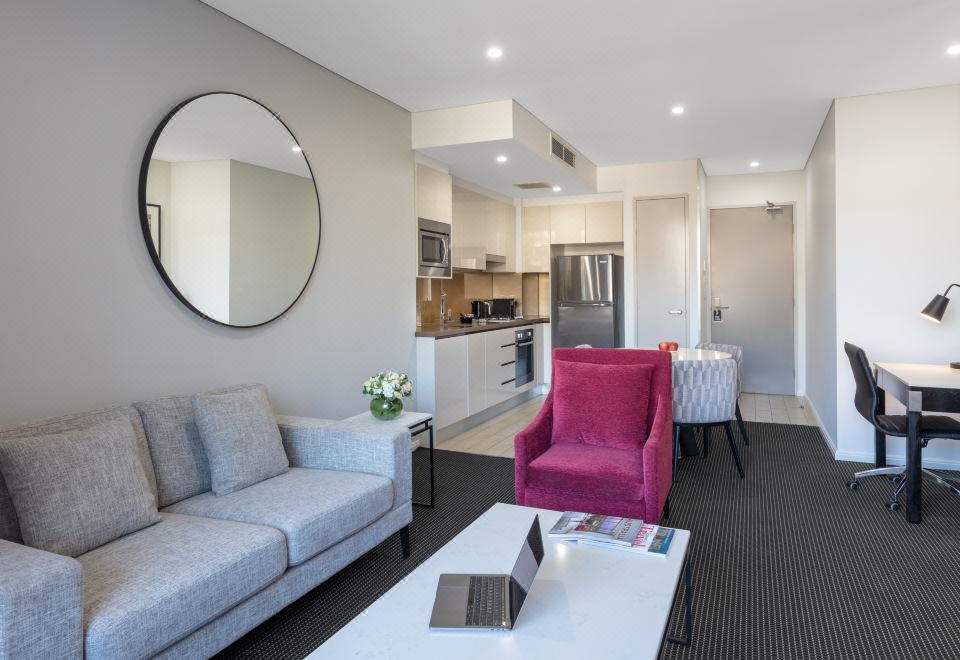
x: 405, y: 541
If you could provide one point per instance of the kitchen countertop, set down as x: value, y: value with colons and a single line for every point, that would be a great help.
x: 455, y: 329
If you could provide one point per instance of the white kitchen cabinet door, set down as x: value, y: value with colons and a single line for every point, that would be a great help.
x: 476, y: 374
x: 568, y: 223
x: 434, y: 194
x: 604, y: 222
x: 536, y: 239
x: 500, y: 364
x: 452, y: 390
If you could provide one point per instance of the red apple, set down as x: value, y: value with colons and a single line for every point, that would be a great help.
x: 664, y: 346
x: 674, y: 346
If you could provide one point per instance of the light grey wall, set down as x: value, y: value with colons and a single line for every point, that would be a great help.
x: 86, y: 319
x: 821, y: 277
x: 274, y: 227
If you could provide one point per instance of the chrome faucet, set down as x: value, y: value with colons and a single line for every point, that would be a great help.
x: 443, y: 307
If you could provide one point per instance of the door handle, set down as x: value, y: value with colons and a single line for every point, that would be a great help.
x: 675, y: 312
x: 722, y: 307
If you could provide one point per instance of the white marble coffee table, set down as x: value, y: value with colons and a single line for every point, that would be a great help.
x: 586, y: 603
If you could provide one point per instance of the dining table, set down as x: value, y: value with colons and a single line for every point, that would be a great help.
x: 688, y: 441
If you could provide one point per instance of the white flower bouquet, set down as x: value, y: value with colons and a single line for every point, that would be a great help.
x: 390, y: 385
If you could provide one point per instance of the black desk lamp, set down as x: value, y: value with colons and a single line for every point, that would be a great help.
x: 935, y: 310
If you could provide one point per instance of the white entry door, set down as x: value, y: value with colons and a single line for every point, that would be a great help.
x: 751, y: 270
x: 661, y: 272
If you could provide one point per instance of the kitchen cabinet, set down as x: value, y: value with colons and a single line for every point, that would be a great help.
x: 484, y: 225
x: 568, y: 223
x: 544, y: 354
x: 604, y: 222
x: 452, y: 389
x: 476, y: 374
x: 536, y: 239
x: 500, y: 365
x: 434, y: 194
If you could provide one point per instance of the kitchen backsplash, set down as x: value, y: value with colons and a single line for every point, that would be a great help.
x: 532, y: 291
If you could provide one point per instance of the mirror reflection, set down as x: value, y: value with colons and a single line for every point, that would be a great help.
x: 230, y: 210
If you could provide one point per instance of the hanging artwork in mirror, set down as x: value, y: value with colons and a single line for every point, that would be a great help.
x: 229, y: 209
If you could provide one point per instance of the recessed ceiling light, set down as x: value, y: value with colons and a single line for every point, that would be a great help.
x: 501, y: 159
x: 296, y: 148
x: 754, y: 163
x: 954, y: 50
x: 494, y: 52
x: 557, y: 189
x: 677, y: 109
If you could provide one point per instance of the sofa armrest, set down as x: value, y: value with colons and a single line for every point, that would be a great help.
x: 658, y: 460
x: 41, y: 604
x: 330, y: 445
x: 531, y: 442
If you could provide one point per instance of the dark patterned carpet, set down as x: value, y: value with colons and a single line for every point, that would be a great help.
x: 788, y: 562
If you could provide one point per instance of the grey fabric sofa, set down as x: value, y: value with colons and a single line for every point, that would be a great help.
x: 213, y: 568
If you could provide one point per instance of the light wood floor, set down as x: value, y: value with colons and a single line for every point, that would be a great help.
x: 495, y: 438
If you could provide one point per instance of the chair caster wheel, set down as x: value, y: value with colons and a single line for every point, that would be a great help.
x: 853, y: 485
x: 893, y: 506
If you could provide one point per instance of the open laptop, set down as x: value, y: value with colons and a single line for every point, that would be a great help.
x: 488, y: 602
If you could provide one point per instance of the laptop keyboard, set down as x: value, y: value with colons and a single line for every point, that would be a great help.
x: 487, y: 603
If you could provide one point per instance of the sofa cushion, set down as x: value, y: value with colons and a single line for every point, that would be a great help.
x: 9, y: 526
x: 145, y: 591
x: 240, y: 437
x: 601, y: 404
x: 601, y: 471
x: 314, y: 508
x: 77, y: 490
x: 175, y: 447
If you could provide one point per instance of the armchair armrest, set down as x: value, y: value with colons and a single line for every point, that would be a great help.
x: 658, y: 459
x: 531, y: 442
x: 330, y: 445
x: 41, y: 604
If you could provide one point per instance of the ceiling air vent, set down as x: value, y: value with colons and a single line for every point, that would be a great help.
x: 533, y: 186
x: 563, y: 152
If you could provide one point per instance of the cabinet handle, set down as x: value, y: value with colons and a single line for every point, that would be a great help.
x: 503, y: 364
x: 508, y: 381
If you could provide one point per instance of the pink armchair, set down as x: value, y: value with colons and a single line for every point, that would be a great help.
x: 605, y: 447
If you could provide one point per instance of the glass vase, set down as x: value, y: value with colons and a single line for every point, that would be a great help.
x: 386, y: 409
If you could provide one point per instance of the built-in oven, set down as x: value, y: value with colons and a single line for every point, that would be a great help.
x: 433, y: 249
x: 524, y: 357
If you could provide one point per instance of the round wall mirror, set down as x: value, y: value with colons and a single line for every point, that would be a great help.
x: 229, y: 209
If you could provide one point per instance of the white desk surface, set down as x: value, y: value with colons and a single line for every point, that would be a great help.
x: 586, y: 602
x: 922, y: 375
x: 406, y: 418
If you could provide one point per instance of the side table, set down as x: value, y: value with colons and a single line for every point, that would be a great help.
x: 416, y: 422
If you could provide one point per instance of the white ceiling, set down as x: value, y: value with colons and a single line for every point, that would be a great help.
x: 229, y: 127
x: 756, y: 76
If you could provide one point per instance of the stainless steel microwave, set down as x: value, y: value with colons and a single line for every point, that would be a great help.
x: 433, y: 249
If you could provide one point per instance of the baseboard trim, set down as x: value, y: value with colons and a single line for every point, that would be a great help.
x: 464, y: 425
x: 898, y: 459
x: 831, y: 445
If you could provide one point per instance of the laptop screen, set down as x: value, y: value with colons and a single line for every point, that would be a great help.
x: 525, y: 570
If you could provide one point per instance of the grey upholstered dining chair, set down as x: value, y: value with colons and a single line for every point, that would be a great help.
x: 705, y: 396
x: 737, y: 353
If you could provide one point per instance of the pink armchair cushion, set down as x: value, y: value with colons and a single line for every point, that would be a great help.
x: 603, y: 471
x: 601, y: 404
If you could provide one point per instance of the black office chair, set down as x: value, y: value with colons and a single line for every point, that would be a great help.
x: 867, y: 401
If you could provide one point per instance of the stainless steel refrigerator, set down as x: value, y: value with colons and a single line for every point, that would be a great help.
x: 588, y: 301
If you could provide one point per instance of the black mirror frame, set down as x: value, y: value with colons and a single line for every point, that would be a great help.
x: 145, y: 227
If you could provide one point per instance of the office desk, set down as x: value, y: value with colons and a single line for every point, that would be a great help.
x: 920, y: 387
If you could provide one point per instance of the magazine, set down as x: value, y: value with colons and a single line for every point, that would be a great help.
x: 604, y: 530
x: 613, y: 531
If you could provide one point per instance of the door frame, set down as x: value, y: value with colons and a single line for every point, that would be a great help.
x: 686, y: 263
x: 707, y: 310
